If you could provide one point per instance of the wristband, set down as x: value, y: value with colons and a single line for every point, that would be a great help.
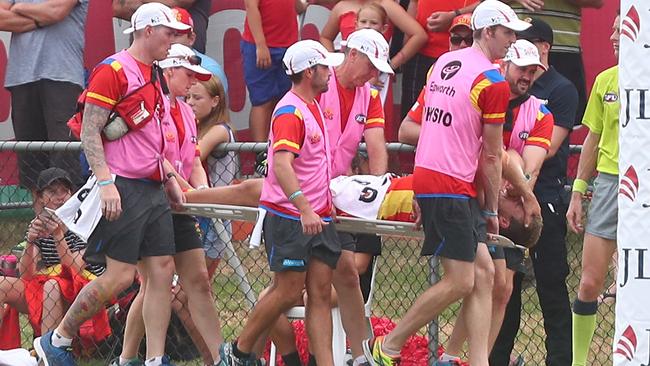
x: 295, y: 195
x: 106, y: 182
x: 169, y: 176
x: 487, y: 213
x: 202, y: 186
x: 580, y: 185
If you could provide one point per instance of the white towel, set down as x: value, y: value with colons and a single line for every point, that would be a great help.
x: 16, y: 357
x: 82, y: 212
x: 256, y: 235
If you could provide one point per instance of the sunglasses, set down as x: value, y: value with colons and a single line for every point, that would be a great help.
x: 193, y: 60
x: 456, y: 40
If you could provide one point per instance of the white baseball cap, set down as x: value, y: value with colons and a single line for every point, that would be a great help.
x: 523, y: 53
x: 154, y: 14
x: 183, y: 56
x: 307, y: 53
x: 372, y: 44
x: 494, y: 12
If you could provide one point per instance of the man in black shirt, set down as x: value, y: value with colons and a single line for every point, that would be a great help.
x: 550, y: 255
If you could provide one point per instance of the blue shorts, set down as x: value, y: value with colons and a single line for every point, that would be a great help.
x: 264, y: 85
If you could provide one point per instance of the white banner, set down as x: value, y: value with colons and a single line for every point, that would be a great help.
x: 632, y: 336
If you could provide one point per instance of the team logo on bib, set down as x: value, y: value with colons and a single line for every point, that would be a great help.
x: 524, y: 135
x: 327, y: 113
x: 450, y: 70
x: 610, y: 97
x: 194, y: 140
x: 314, y: 138
x: 360, y: 118
x: 170, y: 137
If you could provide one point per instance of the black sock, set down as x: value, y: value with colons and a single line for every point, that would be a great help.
x: 292, y: 359
x: 312, y: 360
x: 239, y: 354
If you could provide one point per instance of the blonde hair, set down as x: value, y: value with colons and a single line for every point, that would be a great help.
x: 377, y: 8
x: 219, y: 114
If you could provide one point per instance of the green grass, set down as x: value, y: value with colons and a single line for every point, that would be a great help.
x: 402, y: 275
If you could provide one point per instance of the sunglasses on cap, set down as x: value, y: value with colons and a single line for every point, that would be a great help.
x: 193, y: 60
x: 456, y: 40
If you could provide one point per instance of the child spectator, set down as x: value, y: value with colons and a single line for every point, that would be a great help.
x: 270, y: 27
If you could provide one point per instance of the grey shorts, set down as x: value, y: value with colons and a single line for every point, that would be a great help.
x: 602, y: 217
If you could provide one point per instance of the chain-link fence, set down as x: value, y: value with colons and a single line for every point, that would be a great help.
x: 240, y: 274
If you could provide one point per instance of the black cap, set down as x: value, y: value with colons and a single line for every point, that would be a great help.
x: 539, y: 30
x: 50, y: 175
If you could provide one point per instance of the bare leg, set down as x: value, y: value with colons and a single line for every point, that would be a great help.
x: 319, y: 316
x: 479, y: 303
x: 12, y: 292
x: 196, y: 284
x: 260, y: 120
x: 246, y: 193
x: 52, y: 306
x: 455, y: 285
x: 500, y: 298
x: 350, y: 300
x: 596, y: 256
x: 95, y: 295
x: 156, y: 307
x: 134, y: 329
x: 180, y: 308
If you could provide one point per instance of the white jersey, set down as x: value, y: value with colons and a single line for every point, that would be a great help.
x: 360, y: 195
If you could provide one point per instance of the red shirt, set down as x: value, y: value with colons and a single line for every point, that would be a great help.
x: 438, y: 42
x: 108, y: 83
x: 279, y: 23
x: 492, y: 102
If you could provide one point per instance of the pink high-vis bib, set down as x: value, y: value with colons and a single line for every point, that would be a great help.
x: 312, y: 166
x: 182, y: 153
x: 525, y: 122
x: 139, y: 153
x: 450, y: 138
x: 344, y: 142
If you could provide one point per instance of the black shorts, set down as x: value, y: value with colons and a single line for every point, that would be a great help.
x: 514, y: 257
x: 186, y: 233
x: 144, y: 229
x: 360, y: 243
x: 450, y: 227
x: 289, y: 249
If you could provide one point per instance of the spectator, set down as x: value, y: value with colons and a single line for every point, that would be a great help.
x: 130, y: 178
x: 435, y: 17
x: 270, y: 27
x: 549, y: 256
x: 599, y: 154
x: 51, y: 268
x: 209, y: 103
x: 343, y: 19
x: 45, y: 76
x: 188, y: 38
x: 199, y: 11
x: 564, y: 17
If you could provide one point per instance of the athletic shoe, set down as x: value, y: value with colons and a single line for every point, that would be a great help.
x: 51, y: 355
x: 228, y: 357
x: 166, y: 361
x: 372, y: 351
x: 131, y: 362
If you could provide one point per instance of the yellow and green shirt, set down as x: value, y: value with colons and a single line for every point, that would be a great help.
x: 563, y: 17
x: 601, y: 117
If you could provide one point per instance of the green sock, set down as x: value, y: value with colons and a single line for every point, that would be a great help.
x: 584, y: 326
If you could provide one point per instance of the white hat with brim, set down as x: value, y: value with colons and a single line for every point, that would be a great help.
x: 183, y: 56
x: 372, y: 44
x: 523, y: 53
x: 308, y: 53
x: 154, y: 14
x: 494, y: 12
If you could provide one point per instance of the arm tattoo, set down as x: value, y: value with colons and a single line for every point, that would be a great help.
x: 94, y: 119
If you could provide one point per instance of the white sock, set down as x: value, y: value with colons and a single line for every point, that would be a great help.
x: 60, y: 341
x: 154, y: 361
x: 447, y: 357
x: 359, y: 360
